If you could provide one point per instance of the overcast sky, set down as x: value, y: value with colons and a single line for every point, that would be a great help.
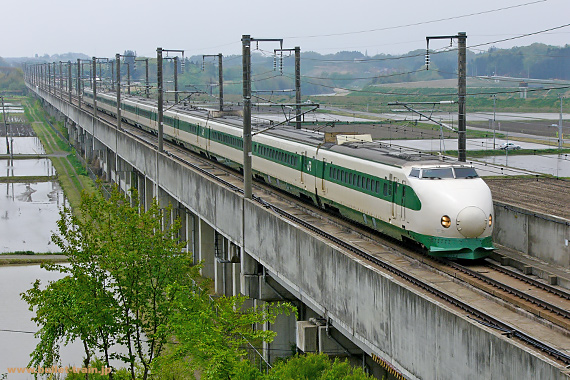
x: 104, y: 27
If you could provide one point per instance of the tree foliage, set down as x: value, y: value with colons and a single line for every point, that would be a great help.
x: 121, y: 260
x: 317, y: 367
x: 212, y: 332
x: 11, y: 79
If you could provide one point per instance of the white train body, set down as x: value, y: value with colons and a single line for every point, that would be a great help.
x: 446, y: 208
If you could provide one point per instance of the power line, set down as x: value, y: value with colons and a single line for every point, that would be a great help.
x: 420, y: 23
x: 360, y: 78
x: 520, y: 36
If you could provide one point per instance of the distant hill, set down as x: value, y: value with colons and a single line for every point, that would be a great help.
x: 350, y: 69
x: 47, y: 58
x: 11, y: 78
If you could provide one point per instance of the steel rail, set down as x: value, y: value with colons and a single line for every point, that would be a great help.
x: 527, y: 297
x: 534, y: 282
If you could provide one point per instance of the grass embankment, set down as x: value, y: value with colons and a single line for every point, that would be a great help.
x: 5, y: 259
x: 70, y: 172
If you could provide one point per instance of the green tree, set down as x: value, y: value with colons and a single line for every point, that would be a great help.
x: 315, y: 367
x: 212, y: 333
x: 121, y: 261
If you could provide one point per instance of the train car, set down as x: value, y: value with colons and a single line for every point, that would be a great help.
x: 444, y: 207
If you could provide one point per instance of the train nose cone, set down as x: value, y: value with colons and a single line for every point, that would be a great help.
x: 471, y: 222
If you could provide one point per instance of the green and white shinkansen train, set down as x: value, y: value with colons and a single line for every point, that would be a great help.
x: 444, y: 207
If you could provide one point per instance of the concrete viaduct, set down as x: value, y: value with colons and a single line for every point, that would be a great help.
x: 347, y: 306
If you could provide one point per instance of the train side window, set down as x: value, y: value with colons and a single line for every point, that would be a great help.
x: 368, y: 184
x: 386, y: 189
x: 359, y: 183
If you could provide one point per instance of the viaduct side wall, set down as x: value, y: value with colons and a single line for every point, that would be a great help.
x: 545, y: 237
x: 385, y: 317
x: 396, y: 322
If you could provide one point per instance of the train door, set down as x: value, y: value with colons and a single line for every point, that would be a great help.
x: 403, y: 201
x: 393, y: 186
x: 176, y: 128
x: 323, y: 188
x: 303, y: 164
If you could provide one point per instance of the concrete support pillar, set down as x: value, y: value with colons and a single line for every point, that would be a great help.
x: 124, y: 171
x: 249, y: 277
x: 236, y: 279
x: 223, y: 268
x: 285, y: 341
x: 192, y: 235
x: 88, y: 147
x: 98, y: 163
x: 148, y: 193
x: 164, y: 201
x: 206, y: 248
x: 111, y: 165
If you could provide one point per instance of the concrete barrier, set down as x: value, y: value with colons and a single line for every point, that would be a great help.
x: 545, y: 237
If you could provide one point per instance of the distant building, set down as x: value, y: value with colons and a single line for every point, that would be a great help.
x: 523, y: 88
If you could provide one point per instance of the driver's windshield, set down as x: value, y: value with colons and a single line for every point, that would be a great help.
x: 447, y: 172
x: 438, y: 173
x: 465, y: 172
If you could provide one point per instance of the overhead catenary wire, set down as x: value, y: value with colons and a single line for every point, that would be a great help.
x: 419, y: 23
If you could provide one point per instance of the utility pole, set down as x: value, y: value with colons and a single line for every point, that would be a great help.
x: 112, y: 64
x: 461, y: 89
x: 220, y: 77
x: 160, y: 99
x: 147, y: 85
x: 118, y: 63
x: 175, y: 61
x: 69, y: 80
x: 494, y: 112
x: 246, y: 41
x: 78, y: 85
x: 298, y: 84
x: 560, y: 134
x: 54, y: 83
x: 160, y: 85
x: 246, y: 63
x: 128, y: 78
x: 146, y: 75
x: 61, y: 80
x: 94, y: 78
x: 297, y: 51
x: 8, y: 150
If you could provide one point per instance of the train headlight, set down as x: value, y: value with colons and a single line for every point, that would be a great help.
x: 490, y: 220
x: 445, y: 221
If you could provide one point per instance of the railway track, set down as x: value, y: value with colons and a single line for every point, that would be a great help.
x: 543, y: 300
x: 233, y: 181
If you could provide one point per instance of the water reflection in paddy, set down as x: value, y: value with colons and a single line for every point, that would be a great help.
x: 22, y: 145
x: 19, y: 168
x: 28, y: 214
